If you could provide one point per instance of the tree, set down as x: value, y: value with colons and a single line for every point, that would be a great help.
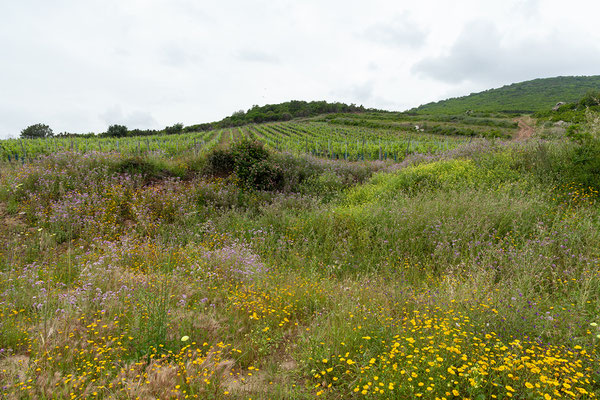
x: 175, y: 129
x: 116, y: 131
x: 36, y: 131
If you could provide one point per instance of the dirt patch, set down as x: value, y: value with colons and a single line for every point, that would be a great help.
x: 526, y: 129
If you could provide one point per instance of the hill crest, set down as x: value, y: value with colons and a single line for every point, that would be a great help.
x: 522, y: 97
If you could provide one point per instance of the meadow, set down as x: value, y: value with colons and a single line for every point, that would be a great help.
x: 468, y: 270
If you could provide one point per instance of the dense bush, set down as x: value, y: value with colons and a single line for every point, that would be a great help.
x: 220, y: 162
x: 250, y: 162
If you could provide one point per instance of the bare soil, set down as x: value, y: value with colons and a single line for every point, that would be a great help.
x: 526, y: 129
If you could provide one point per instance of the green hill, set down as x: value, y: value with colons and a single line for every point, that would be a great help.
x: 523, y: 97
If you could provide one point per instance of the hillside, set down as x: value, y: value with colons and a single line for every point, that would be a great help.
x: 523, y: 97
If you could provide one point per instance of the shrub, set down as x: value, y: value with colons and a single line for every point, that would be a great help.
x: 220, y: 162
x: 586, y: 155
x: 251, y: 163
x: 253, y: 166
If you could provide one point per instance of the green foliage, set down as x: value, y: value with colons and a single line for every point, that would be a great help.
x: 116, y: 131
x: 253, y: 166
x: 523, y: 97
x: 285, y: 111
x: 574, y: 112
x: 586, y: 155
x: 591, y: 98
x: 36, y: 131
x: 175, y: 129
x: 250, y: 161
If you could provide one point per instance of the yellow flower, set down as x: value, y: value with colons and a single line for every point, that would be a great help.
x: 185, y: 338
x: 528, y: 385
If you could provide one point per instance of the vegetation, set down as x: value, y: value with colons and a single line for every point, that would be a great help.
x: 286, y: 111
x: 523, y: 97
x: 242, y: 271
x: 574, y: 112
x: 36, y: 131
x: 116, y: 131
x: 365, y: 136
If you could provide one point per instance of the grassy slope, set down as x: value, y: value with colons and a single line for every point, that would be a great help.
x: 529, y: 96
x: 470, y: 275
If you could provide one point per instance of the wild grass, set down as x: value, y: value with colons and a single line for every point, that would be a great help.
x: 472, y: 274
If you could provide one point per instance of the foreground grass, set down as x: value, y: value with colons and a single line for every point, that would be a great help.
x: 474, y: 275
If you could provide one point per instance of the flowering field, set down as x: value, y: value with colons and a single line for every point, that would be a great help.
x: 472, y: 273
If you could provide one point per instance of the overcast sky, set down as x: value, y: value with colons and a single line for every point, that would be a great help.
x: 81, y: 65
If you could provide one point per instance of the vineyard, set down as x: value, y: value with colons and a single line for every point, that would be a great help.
x: 349, y: 143
x: 353, y: 137
x: 22, y: 150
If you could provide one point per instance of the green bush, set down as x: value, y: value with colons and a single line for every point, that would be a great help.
x: 252, y: 164
x: 254, y: 168
x: 220, y: 162
x: 585, y: 157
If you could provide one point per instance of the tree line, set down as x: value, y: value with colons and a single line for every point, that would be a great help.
x: 257, y: 114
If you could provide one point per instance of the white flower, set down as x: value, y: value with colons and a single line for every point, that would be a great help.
x: 185, y: 338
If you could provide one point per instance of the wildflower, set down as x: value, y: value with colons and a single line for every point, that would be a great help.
x: 185, y: 338
x: 594, y: 324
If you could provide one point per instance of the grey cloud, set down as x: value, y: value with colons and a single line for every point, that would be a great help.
x: 481, y: 55
x: 401, y: 31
